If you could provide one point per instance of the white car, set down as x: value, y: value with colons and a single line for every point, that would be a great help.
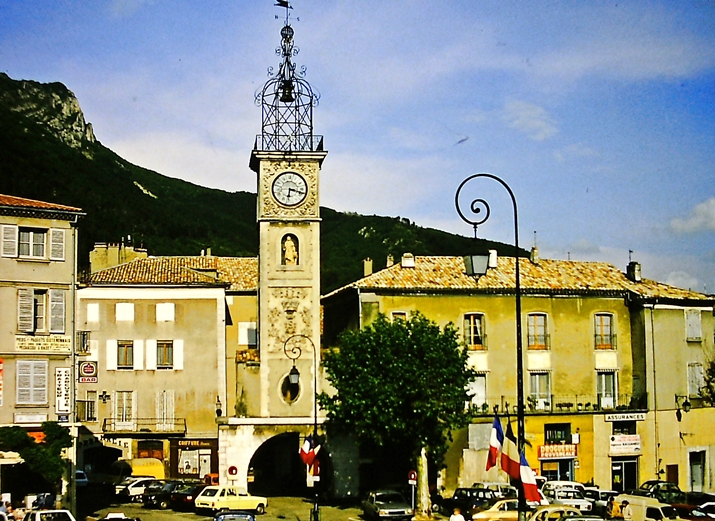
x: 569, y: 496
x: 131, y: 489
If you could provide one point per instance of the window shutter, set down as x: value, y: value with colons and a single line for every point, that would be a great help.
x: 57, y: 244
x: 39, y: 381
x: 25, y: 309
x: 151, y: 355
x: 169, y: 405
x: 57, y: 311
x: 111, y: 355
x: 23, y: 394
x: 693, y: 330
x: 9, y: 240
x: 139, y: 355
x: 178, y: 355
x: 94, y: 350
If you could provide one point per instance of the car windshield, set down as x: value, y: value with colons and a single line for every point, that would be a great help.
x: 570, y: 494
x: 390, y: 497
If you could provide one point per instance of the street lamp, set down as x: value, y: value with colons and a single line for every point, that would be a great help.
x: 685, y: 404
x: 292, y: 349
x: 476, y: 207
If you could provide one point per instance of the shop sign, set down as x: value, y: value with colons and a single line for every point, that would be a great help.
x: 87, y: 372
x: 557, y: 451
x: 55, y: 343
x: 624, y: 417
x: 62, y: 390
x: 625, y: 444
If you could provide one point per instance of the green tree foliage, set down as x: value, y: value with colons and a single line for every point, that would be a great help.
x: 401, y: 382
x: 707, y: 391
x: 43, y: 458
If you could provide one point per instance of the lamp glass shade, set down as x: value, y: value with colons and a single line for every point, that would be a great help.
x: 476, y: 264
x: 686, y: 405
x: 294, y: 375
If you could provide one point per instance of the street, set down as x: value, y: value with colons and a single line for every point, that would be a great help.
x: 279, y: 508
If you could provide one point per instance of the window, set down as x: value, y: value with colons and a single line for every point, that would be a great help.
x: 93, y: 312
x: 31, y: 382
x: 478, y: 391
x: 32, y: 307
x: 474, y: 331
x: 399, y: 315
x: 540, y: 390
x: 606, y: 388
x: 87, y: 409
x: 165, y: 312
x: 123, y: 409
x: 624, y: 427
x: 247, y: 334
x: 165, y: 410
x: 696, y: 379
x: 125, y: 354
x: 693, y: 329
x: 32, y: 243
x: 537, y: 336
x: 164, y: 354
x: 557, y: 433
x: 604, y: 337
x: 124, y: 312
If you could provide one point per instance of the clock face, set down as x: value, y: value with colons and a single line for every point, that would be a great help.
x: 290, y: 188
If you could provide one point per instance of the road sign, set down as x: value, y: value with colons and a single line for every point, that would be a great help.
x: 412, y: 477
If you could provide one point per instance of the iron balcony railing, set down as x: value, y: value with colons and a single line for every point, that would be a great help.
x: 605, y: 341
x: 149, y: 425
x: 572, y: 403
x: 289, y: 142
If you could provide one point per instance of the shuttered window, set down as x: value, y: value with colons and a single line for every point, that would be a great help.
x: 57, y: 311
x: 31, y: 383
x: 32, y: 243
x: 125, y: 354
x: 25, y: 310
x: 9, y: 240
x: 57, y: 244
x: 165, y: 354
x: 693, y: 328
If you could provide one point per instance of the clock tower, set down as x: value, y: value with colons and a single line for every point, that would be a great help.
x: 287, y: 157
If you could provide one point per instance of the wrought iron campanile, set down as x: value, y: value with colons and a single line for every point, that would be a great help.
x: 287, y: 102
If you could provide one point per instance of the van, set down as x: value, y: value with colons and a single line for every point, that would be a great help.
x: 648, y: 508
x: 136, y: 467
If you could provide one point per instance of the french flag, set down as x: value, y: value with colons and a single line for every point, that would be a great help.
x: 308, y: 452
x: 510, y: 460
x: 528, y: 481
x: 496, y: 440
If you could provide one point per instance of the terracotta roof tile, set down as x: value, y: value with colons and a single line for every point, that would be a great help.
x: 238, y: 273
x: 21, y: 202
x: 549, y: 276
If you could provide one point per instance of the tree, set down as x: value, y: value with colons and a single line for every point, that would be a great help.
x: 707, y: 391
x: 44, y: 458
x: 401, y: 382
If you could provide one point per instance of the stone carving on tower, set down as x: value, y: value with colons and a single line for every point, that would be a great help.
x: 287, y: 157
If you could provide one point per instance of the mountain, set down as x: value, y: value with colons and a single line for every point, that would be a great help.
x: 50, y: 153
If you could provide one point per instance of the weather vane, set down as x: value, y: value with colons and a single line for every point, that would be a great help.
x: 285, y: 4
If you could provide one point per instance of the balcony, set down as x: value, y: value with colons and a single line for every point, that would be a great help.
x: 144, y: 427
x: 566, y: 404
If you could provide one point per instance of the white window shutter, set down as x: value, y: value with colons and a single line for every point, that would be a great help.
x: 693, y: 329
x: 139, y: 355
x: 111, y: 355
x: 169, y: 405
x: 39, y: 381
x: 165, y: 312
x: 23, y: 382
x: 93, y: 350
x: 93, y: 312
x: 57, y: 311
x: 25, y: 309
x: 9, y: 240
x: 178, y: 355
x: 57, y: 244
x: 151, y: 355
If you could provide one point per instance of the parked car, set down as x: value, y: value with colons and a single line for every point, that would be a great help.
x: 692, y: 512
x: 663, y: 491
x: 569, y: 496
x: 131, y: 489
x: 159, y: 495
x: 234, y: 515
x: 467, y: 499
x: 49, y: 515
x: 117, y: 516
x: 386, y: 504
x: 599, y: 499
x: 553, y: 485
x: 502, y: 509
x: 502, y: 490
x: 553, y: 513
x: 80, y: 479
x: 182, y: 498
x: 215, y: 498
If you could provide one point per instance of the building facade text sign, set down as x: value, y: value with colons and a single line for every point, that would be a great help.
x: 557, y: 451
x: 55, y: 343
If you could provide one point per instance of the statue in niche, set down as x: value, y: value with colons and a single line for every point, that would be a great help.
x: 290, y: 250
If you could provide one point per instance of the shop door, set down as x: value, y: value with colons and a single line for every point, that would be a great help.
x: 204, y: 463
x: 624, y: 474
x: 558, y: 470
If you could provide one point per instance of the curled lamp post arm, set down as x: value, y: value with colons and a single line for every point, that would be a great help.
x: 473, y: 217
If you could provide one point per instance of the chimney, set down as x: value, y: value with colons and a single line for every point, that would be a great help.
x: 208, y: 252
x: 367, y: 267
x: 633, y: 271
x: 390, y: 261
x: 408, y: 260
x: 534, y: 256
x: 493, y: 256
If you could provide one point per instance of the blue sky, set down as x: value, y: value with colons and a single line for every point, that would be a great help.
x: 599, y: 116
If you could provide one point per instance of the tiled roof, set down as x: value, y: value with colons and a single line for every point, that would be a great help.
x: 238, y: 273
x: 547, y: 276
x: 21, y: 202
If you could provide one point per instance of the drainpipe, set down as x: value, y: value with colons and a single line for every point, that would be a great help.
x: 656, y: 435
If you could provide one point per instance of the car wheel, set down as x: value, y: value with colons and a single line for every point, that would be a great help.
x: 260, y: 509
x: 163, y: 505
x: 435, y: 508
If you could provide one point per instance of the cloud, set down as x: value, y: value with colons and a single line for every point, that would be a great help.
x: 530, y: 119
x: 702, y: 218
x: 684, y: 280
x: 574, y: 152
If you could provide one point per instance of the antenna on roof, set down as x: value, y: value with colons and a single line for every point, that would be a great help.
x: 534, y: 238
x: 630, y: 255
